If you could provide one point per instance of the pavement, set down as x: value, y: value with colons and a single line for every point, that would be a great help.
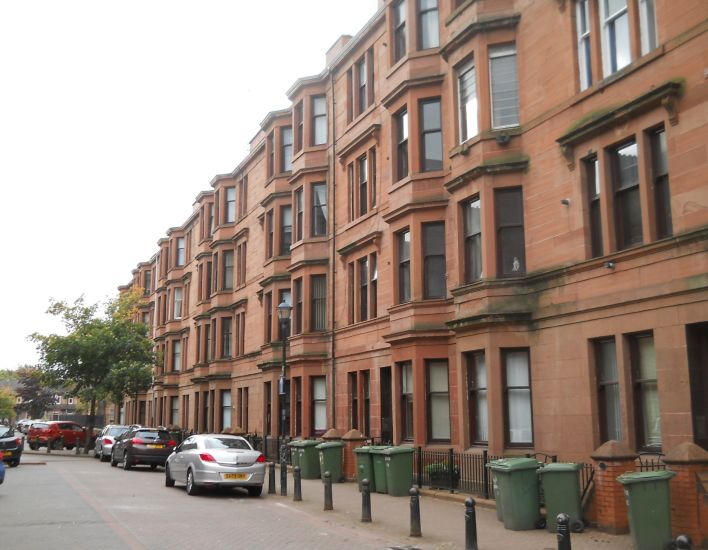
x: 442, y: 516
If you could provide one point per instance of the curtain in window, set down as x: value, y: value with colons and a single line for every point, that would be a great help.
x: 649, y: 396
x: 609, y: 386
x: 439, y: 401
x: 518, y: 397
x: 480, y: 378
x: 505, y: 87
x: 319, y: 405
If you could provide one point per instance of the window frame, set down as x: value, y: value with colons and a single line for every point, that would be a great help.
x: 472, y: 240
x: 430, y: 164
x: 501, y: 51
x: 463, y: 101
x: 317, y: 229
x: 431, y: 257
x: 401, y: 137
x: 474, y: 401
x: 507, y: 426
x: 432, y: 395
x: 423, y: 13
x: 404, y: 265
x: 318, y: 304
x: 405, y: 369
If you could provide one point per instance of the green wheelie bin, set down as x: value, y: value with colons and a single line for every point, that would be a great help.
x: 561, y: 489
x: 497, y: 490
x: 518, y: 484
x: 308, y: 458
x: 331, y: 455
x: 365, y: 467
x: 294, y: 454
x: 649, y: 508
x: 399, y: 470
x: 378, y: 463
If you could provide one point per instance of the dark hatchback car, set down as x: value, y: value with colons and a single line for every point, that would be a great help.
x: 11, y: 445
x: 150, y: 446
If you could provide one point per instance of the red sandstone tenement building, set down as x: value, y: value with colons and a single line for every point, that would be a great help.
x: 490, y: 218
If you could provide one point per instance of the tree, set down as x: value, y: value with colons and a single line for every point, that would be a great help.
x: 94, y: 347
x: 7, y: 404
x: 128, y: 380
x: 36, y: 397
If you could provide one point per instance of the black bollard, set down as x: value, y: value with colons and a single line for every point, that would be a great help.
x: 283, y: 478
x: 563, y: 534
x: 78, y: 448
x: 328, y: 491
x: 297, y: 482
x: 683, y: 542
x: 470, y: 525
x: 365, y: 501
x: 415, y: 512
x: 271, y: 478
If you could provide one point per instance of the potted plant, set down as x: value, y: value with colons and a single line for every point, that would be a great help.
x: 439, y: 475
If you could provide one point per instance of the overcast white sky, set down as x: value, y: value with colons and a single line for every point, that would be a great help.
x: 115, y: 115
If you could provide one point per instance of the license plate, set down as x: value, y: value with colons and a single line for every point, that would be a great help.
x: 155, y: 446
x: 235, y: 476
x: 6, y: 454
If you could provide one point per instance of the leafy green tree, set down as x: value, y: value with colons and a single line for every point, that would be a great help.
x: 94, y: 347
x: 36, y: 396
x: 129, y: 380
x: 7, y: 404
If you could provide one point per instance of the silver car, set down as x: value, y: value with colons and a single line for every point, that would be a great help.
x: 105, y: 440
x: 216, y: 460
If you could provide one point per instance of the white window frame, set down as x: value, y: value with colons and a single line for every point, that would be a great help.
x: 608, y: 21
x: 501, y: 51
x: 465, y: 117
x: 582, y: 29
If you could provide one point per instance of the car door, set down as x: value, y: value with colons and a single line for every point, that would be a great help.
x: 178, y: 464
x: 119, y: 445
x: 98, y: 449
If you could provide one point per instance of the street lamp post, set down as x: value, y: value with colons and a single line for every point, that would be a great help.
x: 284, y: 310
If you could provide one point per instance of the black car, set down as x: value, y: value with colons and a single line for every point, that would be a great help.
x: 142, y: 446
x: 11, y: 445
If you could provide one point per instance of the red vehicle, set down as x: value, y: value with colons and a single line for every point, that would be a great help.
x: 62, y: 433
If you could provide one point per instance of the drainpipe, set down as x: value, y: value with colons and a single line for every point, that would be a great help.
x: 333, y: 260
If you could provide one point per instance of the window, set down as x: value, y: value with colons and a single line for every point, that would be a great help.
x: 174, y: 410
x: 438, y: 401
x: 207, y: 342
x: 297, y: 312
x: 372, y: 175
x: 363, y: 264
x: 660, y: 179
x: 240, y: 333
x: 269, y: 234
x: 270, y: 151
x: 228, y: 273
x: 472, y: 216
x: 697, y: 348
x: 225, y: 409
x: 374, y: 287
x: 646, y: 392
x: 176, y: 355
x: 318, y: 305
x: 366, y: 413
x: 268, y: 304
x: 212, y: 219
x: 319, y: 120
x: 399, y: 30
x: 510, y: 232
x: 284, y: 296
x: 404, y: 266
x: 242, y: 196
x: 505, y: 87
x: 406, y: 370
x: 353, y: 401
x: 286, y: 149
x: 226, y: 337
x: 298, y: 405
x: 401, y: 124
x: 434, y: 272
x: 299, y: 126
x: 517, y: 389
x: 616, y: 52
x: 241, y: 263
x: 147, y: 283
x: 592, y: 181
x: 429, y: 27
x: 467, y: 90
x: 319, y: 405
x: 608, y: 391
x: 177, y: 306
x: 582, y: 23
x: 286, y: 230
x: 319, y: 210
x: 363, y: 185
x: 298, y: 214
x: 430, y: 135
x: 361, y: 95
x: 647, y: 25
x: 230, y: 210
x: 180, y: 257
x: 627, y: 210
x: 477, y: 397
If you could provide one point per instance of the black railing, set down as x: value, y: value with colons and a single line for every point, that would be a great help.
x: 650, y: 462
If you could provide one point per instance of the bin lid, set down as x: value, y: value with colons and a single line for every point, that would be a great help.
x: 511, y: 464
x: 304, y: 443
x: 397, y: 450
x: 378, y: 449
x: 559, y: 467
x: 363, y: 450
x: 645, y: 477
x: 329, y: 445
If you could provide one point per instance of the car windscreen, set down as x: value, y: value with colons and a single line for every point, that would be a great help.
x: 40, y: 426
x: 144, y: 434
x: 115, y: 432
x: 226, y: 443
x: 6, y: 431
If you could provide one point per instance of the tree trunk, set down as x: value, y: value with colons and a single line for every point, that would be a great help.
x: 91, y: 422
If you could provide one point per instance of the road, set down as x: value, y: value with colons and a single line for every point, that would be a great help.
x: 53, y: 501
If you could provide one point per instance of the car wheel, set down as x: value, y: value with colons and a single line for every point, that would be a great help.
x: 169, y: 482
x: 69, y: 447
x: 153, y: 467
x: 104, y: 458
x: 114, y: 462
x: 255, y: 491
x: 192, y: 488
x: 127, y: 463
x: 15, y: 463
x: 33, y: 446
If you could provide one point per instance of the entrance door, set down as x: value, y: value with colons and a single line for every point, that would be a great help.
x: 386, y: 408
x: 697, y: 340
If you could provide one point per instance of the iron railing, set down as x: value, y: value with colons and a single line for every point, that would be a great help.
x: 650, y: 462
